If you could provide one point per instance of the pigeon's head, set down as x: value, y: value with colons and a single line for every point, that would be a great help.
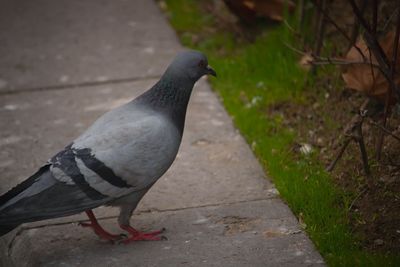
x: 191, y: 64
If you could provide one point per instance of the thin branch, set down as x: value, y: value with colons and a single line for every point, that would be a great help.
x: 387, y: 22
x: 333, y: 61
x: 290, y: 27
x: 390, y: 89
x: 321, y: 27
x: 395, y: 47
x: 301, y: 14
x: 318, y: 60
x: 328, y: 18
x: 386, y: 130
x: 358, y: 196
x: 360, y: 139
x: 353, y: 132
x: 339, y: 155
x: 374, y: 17
x: 370, y: 38
x: 356, y: 26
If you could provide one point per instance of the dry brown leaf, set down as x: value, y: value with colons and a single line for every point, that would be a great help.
x: 367, y: 78
x: 306, y: 61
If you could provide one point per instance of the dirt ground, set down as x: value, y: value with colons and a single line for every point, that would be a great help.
x: 374, y: 211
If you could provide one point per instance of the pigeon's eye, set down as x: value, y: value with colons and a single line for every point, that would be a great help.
x: 202, y: 63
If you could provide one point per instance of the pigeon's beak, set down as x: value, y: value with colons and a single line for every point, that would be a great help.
x: 210, y: 71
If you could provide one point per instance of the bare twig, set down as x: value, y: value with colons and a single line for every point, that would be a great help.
x: 338, y: 155
x: 387, y: 22
x: 360, y: 139
x: 386, y: 130
x: 318, y: 60
x: 290, y: 27
x: 357, y: 197
x: 374, y: 25
x: 369, y: 37
x: 353, y: 131
x: 395, y: 47
x: 328, y: 18
x: 334, y: 61
x: 321, y: 27
x: 356, y: 26
x: 301, y: 14
x: 390, y: 89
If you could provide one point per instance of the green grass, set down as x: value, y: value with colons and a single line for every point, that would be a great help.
x: 252, y: 78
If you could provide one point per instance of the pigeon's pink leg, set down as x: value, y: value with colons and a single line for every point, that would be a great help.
x: 140, y: 236
x: 94, y: 224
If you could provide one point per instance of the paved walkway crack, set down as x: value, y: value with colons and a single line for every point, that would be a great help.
x: 150, y: 211
x: 76, y: 85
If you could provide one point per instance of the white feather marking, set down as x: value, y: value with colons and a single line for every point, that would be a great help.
x: 98, y: 183
x: 61, y: 176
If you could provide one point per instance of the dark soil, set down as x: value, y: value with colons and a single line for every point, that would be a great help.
x: 374, y: 209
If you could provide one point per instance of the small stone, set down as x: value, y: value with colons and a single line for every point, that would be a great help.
x: 306, y: 149
x: 299, y: 253
x: 273, y: 191
x: 64, y: 78
x: 10, y: 107
x: 378, y: 242
x: 149, y: 50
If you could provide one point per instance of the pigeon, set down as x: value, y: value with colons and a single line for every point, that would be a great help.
x: 115, y: 161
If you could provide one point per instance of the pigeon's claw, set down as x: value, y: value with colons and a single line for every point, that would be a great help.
x: 98, y: 230
x: 135, y: 235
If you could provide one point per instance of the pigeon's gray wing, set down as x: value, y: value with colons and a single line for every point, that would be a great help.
x: 43, y: 197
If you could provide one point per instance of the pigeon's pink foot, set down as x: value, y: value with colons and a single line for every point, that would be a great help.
x: 99, y: 231
x: 135, y: 235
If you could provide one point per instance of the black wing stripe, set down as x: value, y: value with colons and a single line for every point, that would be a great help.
x: 99, y: 168
x: 65, y: 161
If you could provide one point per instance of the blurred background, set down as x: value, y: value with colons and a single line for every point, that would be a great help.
x: 314, y: 88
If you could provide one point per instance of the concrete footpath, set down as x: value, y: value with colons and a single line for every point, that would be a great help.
x: 64, y: 63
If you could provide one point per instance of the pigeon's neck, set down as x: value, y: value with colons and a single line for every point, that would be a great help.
x: 170, y: 97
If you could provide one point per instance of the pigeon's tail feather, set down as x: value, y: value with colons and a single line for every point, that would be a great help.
x: 22, y: 186
x: 4, y: 229
x: 42, y: 197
